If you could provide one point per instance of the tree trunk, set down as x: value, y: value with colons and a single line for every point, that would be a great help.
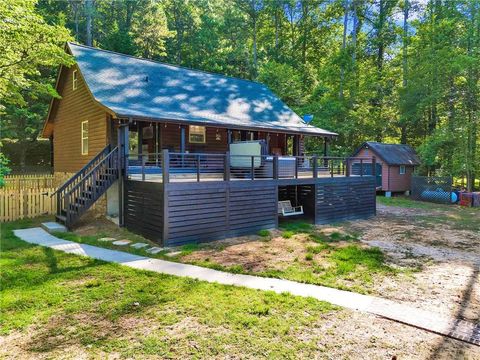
x: 178, y: 32
x: 354, y: 31
x: 305, y: 32
x: 472, y: 109
x: 89, y: 16
x: 254, y: 18
x: 344, y: 44
x: 406, y: 8
x: 277, y: 30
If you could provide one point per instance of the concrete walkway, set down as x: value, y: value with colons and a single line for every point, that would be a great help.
x: 455, y: 328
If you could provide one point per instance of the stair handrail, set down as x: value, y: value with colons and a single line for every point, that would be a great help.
x: 81, y: 173
x: 93, y: 173
x: 106, y: 158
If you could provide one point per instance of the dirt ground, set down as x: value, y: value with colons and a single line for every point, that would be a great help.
x: 445, y: 260
x: 445, y: 279
x: 448, y: 259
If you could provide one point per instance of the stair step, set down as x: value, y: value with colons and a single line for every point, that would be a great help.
x: 53, y: 227
x: 62, y: 218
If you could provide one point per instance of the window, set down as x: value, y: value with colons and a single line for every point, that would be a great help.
x: 402, y: 169
x: 85, y: 137
x: 196, y: 134
x: 75, y: 80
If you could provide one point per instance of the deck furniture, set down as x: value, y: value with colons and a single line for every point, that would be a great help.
x: 285, y: 208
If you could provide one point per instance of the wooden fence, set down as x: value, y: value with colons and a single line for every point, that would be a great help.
x: 35, y: 181
x: 26, y: 203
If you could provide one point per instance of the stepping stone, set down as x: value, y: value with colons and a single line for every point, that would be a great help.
x: 173, y: 253
x: 154, y: 250
x: 139, y: 245
x: 121, y: 242
x: 107, y: 239
x: 52, y: 226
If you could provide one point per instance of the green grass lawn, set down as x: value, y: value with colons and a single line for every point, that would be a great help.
x: 52, y: 300
x: 351, y: 267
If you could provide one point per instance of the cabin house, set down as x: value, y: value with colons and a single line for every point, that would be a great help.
x: 395, y: 164
x: 180, y: 155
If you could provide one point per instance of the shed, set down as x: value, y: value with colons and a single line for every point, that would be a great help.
x: 395, y: 164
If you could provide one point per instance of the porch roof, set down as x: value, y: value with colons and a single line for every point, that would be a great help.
x: 140, y: 88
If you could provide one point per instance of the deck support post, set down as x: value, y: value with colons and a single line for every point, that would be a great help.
x: 347, y: 167
x: 315, y: 167
x: 165, y: 166
x: 122, y: 168
x: 275, y: 167
x: 198, y: 168
x: 374, y: 174
x: 325, y: 148
x: 226, y: 167
x: 252, y: 174
x: 140, y: 140
x: 182, y: 144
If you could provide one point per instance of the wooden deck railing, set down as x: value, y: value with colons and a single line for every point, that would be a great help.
x: 187, y: 167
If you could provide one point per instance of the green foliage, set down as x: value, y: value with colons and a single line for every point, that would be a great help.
x: 296, y: 226
x: 28, y: 44
x: 288, y: 234
x: 150, y: 31
x: 283, y: 80
x: 376, y: 82
x: 264, y: 233
x: 4, y: 169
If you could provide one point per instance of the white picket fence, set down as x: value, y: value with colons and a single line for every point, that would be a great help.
x: 25, y: 181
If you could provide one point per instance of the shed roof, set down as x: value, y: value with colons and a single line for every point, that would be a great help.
x: 135, y: 87
x: 393, y: 154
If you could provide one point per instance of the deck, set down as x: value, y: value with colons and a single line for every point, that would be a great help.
x: 174, y: 202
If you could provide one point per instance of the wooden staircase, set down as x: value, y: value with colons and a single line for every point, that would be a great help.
x: 83, y: 189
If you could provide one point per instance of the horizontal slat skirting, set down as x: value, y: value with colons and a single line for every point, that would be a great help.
x: 143, y: 209
x: 348, y: 199
x: 258, y: 224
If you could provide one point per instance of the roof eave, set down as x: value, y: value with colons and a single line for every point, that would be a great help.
x: 327, y: 134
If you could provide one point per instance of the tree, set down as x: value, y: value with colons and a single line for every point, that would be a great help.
x: 28, y: 43
x: 150, y: 31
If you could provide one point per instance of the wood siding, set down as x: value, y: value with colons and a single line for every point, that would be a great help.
x: 391, y: 178
x: 345, y: 199
x: 67, y: 114
x: 143, y: 212
x: 400, y: 182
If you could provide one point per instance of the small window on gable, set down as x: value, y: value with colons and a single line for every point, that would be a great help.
x: 75, y: 79
x: 196, y: 134
x: 84, y: 137
x: 402, y: 169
